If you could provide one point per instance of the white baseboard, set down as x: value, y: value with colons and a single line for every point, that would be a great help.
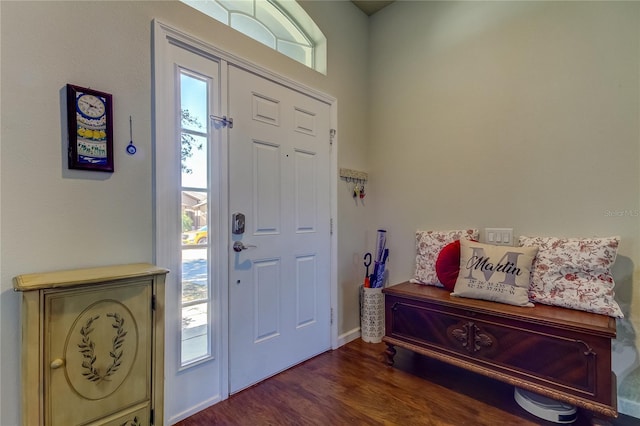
x: 349, y: 336
x: 628, y: 407
x: 193, y: 410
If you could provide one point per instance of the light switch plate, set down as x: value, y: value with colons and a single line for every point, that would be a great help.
x: 499, y: 236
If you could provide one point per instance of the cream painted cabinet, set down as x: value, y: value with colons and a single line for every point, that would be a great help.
x: 93, y: 346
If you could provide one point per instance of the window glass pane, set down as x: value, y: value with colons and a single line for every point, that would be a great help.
x: 301, y: 54
x: 194, y: 275
x: 195, y: 300
x: 194, y: 160
x: 278, y: 23
x: 253, y: 29
x: 195, y: 333
x: 242, y: 6
x: 193, y: 103
x: 194, y: 218
x: 211, y: 8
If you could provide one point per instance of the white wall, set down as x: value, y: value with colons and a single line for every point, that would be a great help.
x: 546, y: 89
x: 53, y: 218
x: 508, y: 114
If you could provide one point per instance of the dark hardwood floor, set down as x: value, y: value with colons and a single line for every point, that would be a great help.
x: 352, y: 386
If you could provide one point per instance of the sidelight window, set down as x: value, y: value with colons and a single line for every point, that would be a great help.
x: 196, y: 291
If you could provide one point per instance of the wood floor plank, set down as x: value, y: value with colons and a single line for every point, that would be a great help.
x: 353, y: 386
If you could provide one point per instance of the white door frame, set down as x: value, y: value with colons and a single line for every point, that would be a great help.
x: 163, y: 37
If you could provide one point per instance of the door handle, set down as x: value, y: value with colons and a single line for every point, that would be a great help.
x: 238, y: 246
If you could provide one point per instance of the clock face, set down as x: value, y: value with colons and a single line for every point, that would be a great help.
x: 90, y: 106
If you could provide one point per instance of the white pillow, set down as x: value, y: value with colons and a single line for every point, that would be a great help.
x: 496, y: 273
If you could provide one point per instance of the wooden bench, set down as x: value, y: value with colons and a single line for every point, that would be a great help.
x: 560, y: 353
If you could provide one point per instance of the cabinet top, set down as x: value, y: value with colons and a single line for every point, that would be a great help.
x: 74, y: 277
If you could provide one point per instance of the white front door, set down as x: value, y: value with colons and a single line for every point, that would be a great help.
x: 279, y: 294
x: 233, y: 319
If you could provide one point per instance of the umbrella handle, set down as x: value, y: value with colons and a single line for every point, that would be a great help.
x: 367, y: 262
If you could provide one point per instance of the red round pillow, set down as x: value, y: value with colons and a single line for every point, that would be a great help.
x: 448, y: 265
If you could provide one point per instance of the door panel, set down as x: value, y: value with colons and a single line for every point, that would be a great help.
x: 266, y: 169
x: 306, y: 290
x: 266, y: 306
x: 265, y: 110
x: 305, y: 201
x: 279, y: 307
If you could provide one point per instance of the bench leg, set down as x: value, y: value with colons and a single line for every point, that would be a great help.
x: 390, y: 353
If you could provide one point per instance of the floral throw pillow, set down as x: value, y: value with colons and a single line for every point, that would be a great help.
x: 428, y: 247
x: 574, y: 273
x: 495, y: 273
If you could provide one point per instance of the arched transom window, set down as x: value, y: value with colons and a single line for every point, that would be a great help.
x: 282, y: 25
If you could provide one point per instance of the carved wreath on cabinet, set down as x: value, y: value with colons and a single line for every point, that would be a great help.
x: 87, y: 349
x: 134, y: 422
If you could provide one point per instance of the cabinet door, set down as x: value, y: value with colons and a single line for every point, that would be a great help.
x: 97, y: 358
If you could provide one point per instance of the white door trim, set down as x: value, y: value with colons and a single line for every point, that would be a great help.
x: 162, y: 36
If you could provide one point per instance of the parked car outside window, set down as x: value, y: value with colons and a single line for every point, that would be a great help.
x: 195, y: 237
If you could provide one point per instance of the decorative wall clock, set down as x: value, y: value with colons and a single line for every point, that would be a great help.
x: 90, y: 123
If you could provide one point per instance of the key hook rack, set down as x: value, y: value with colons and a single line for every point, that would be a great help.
x: 356, y: 177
